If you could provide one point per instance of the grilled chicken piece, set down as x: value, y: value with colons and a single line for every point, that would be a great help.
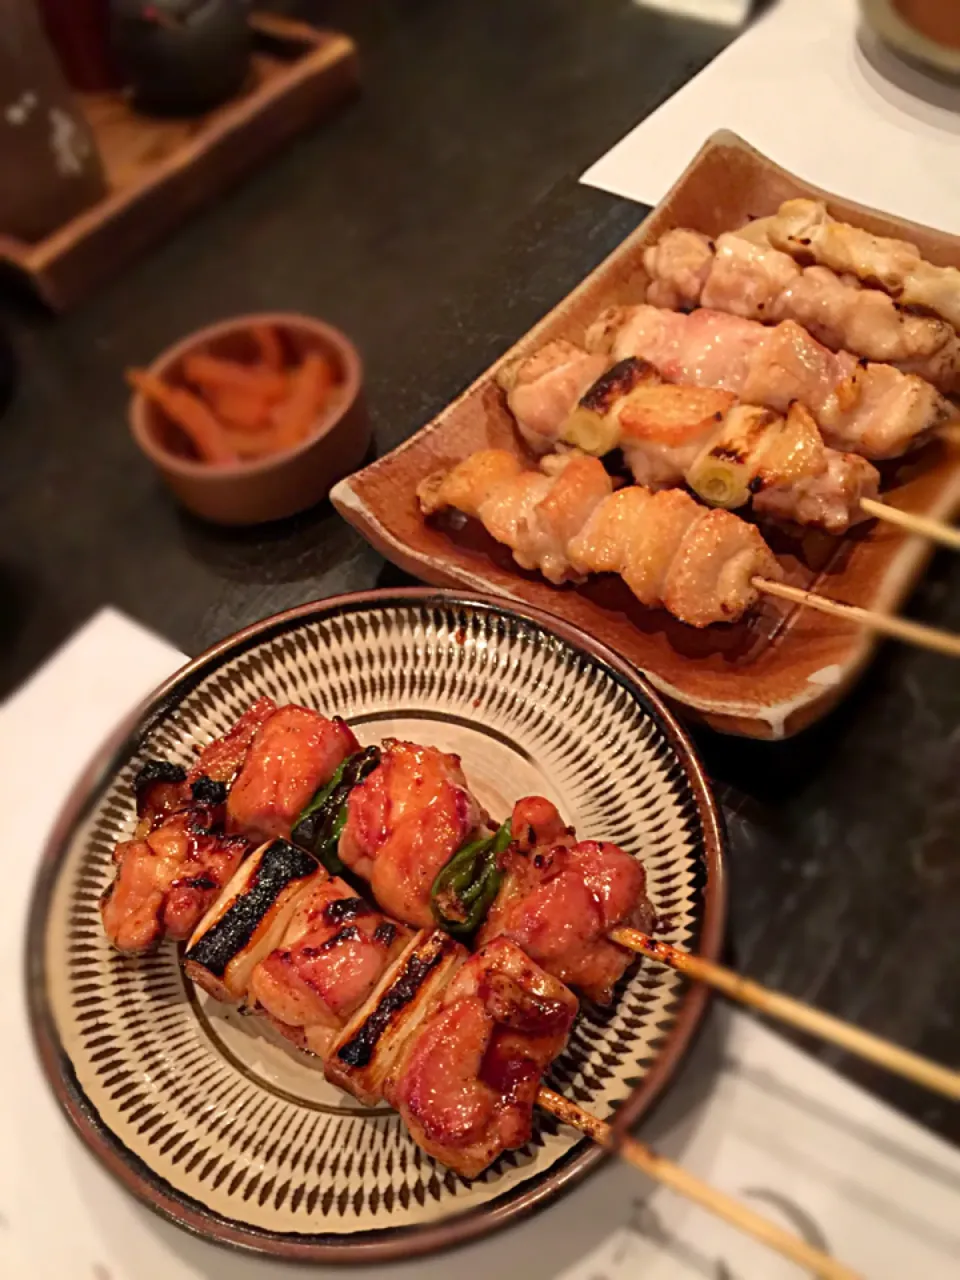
x: 293, y: 753
x: 775, y: 367
x: 468, y: 1081
x: 543, y: 388
x: 649, y: 540
x: 560, y: 899
x: 679, y: 266
x: 222, y: 759
x: 245, y: 924
x: 365, y: 1053
x: 533, y: 513
x: 747, y: 277
x: 830, y: 500
x: 404, y: 823
x: 168, y: 878
x: 805, y: 230
x: 335, y: 950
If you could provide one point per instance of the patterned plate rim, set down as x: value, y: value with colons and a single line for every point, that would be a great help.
x: 391, y: 1243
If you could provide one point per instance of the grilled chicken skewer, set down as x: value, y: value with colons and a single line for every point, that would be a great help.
x: 805, y: 230
x: 566, y: 520
x: 458, y: 1045
x: 731, y: 455
x: 870, y: 409
x: 703, y: 566
x: 743, y: 274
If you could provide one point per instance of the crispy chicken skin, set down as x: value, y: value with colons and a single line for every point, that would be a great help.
x: 654, y: 541
x: 468, y: 1082
x: 560, y: 899
x: 167, y: 880
x: 335, y: 950
x: 404, y: 822
x: 747, y: 277
x: 805, y: 230
x: 293, y: 753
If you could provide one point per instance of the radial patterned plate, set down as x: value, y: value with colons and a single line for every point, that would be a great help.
x: 230, y: 1131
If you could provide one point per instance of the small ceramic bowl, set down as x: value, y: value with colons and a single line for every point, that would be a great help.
x: 918, y: 31
x: 271, y: 488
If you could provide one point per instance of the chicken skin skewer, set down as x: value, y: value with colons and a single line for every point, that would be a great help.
x: 805, y: 230
x: 566, y: 521
x: 741, y: 273
x: 871, y: 409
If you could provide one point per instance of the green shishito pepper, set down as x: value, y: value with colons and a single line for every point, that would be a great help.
x: 321, y: 823
x: 466, y: 887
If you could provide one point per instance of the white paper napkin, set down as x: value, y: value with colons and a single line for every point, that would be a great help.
x: 749, y: 1113
x: 803, y: 87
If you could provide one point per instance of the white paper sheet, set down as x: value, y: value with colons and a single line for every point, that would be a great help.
x: 749, y: 1113
x: 823, y: 100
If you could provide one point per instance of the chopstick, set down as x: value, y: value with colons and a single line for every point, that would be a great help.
x: 886, y: 624
x: 935, y: 530
x: 687, y: 1184
x: 883, y: 1053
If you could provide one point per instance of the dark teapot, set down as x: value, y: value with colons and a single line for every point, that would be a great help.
x: 181, y: 57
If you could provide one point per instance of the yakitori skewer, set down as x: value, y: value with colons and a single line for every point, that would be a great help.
x: 693, y: 1188
x: 802, y: 1016
x: 702, y: 565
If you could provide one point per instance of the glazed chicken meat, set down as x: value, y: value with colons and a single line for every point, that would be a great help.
x: 404, y: 821
x: 561, y: 897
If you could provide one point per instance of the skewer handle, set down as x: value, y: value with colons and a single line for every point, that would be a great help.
x: 899, y: 628
x: 935, y: 530
x: 802, y: 1016
x: 701, y: 1193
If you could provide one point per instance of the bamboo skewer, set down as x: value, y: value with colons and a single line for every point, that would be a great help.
x: 864, y: 1044
x: 935, y: 530
x: 886, y: 624
x: 701, y: 1193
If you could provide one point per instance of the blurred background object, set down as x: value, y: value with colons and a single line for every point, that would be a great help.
x: 8, y: 370
x: 924, y: 33
x: 181, y: 57
x: 79, y: 31
x: 49, y: 166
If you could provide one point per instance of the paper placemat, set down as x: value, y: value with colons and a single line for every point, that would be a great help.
x: 749, y: 1112
x: 820, y: 97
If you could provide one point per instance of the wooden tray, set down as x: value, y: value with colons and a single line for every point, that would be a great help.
x: 779, y: 669
x: 159, y: 170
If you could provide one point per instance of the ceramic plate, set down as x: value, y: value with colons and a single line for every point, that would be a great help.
x: 780, y: 668
x: 228, y: 1130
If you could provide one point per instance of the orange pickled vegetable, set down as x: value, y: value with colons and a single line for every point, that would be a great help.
x: 270, y: 347
x: 309, y: 387
x: 239, y: 408
x: 211, y: 373
x: 189, y: 412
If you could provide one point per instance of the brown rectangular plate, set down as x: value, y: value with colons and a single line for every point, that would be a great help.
x: 777, y: 670
x: 160, y: 170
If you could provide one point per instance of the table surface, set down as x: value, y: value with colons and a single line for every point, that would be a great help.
x: 435, y: 219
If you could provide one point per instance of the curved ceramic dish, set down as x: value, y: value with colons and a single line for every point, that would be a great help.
x: 226, y: 1129
x: 780, y: 668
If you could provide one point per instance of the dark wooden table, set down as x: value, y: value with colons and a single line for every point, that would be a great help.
x: 435, y: 220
